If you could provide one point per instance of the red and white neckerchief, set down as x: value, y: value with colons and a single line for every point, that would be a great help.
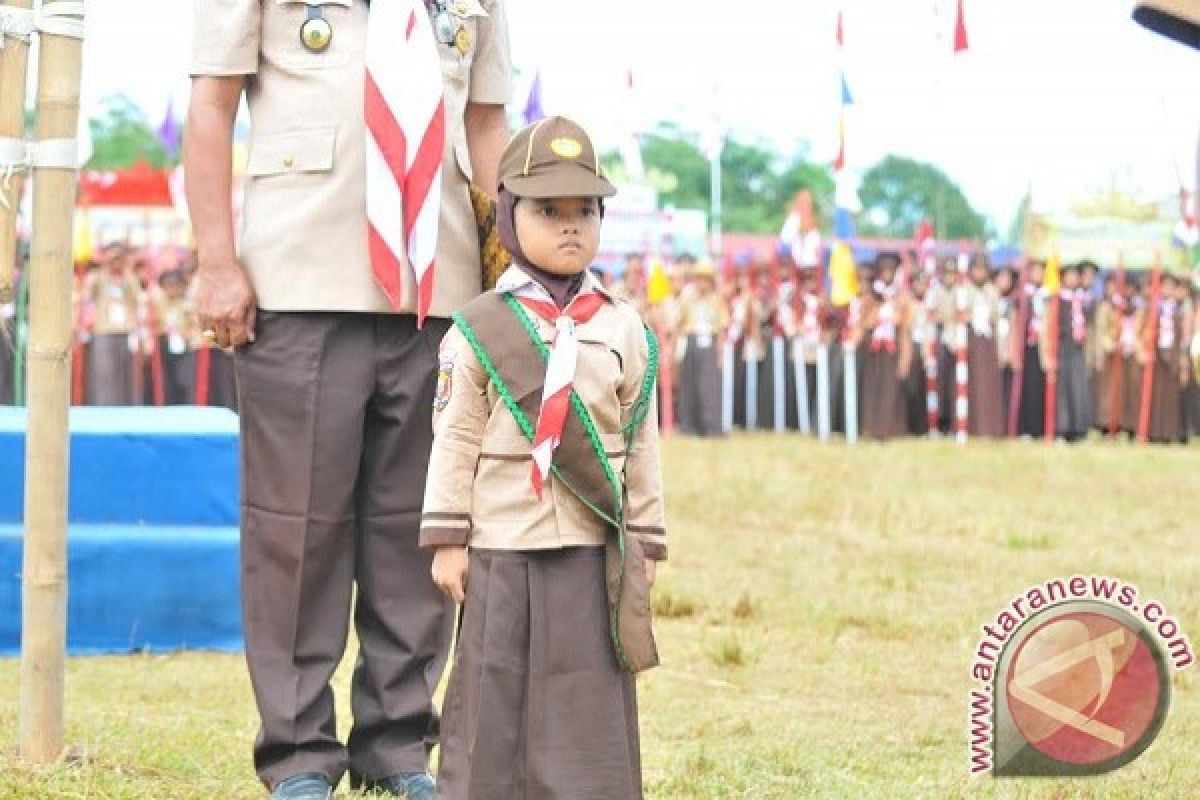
x: 1078, y: 318
x: 1166, y: 324
x: 922, y: 329
x: 810, y: 322
x: 1128, y: 334
x: 853, y: 317
x: 1036, y: 309
x: 883, y: 336
x: 563, y: 361
x: 406, y: 135
x: 981, y: 313
x: 885, y: 290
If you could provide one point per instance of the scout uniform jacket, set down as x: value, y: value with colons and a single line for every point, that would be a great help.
x: 115, y: 303
x: 478, y: 491
x: 304, y: 236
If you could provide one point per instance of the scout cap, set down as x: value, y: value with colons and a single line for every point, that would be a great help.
x: 553, y: 157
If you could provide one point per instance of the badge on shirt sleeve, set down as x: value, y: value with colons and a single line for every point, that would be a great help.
x: 445, y: 381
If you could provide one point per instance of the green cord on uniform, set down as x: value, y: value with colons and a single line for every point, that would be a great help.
x: 638, y: 413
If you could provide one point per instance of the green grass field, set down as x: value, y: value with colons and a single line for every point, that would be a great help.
x: 817, y: 623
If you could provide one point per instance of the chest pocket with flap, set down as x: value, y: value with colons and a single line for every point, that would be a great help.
x: 291, y: 152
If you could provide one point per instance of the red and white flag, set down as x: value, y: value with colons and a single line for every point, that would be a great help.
x: 960, y: 29
x: 406, y: 136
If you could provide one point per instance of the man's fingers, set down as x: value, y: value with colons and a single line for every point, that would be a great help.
x: 250, y: 320
x: 238, y: 335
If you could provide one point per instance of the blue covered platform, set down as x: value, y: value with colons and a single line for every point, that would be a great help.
x: 152, y: 530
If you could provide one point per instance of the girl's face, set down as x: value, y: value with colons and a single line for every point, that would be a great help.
x: 559, y: 234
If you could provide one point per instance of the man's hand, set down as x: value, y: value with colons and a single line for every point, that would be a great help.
x: 651, y: 572
x: 450, y: 572
x: 225, y: 302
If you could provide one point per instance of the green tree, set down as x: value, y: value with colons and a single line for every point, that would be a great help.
x: 897, y: 193
x: 122, y: 137
x: 757, y: 183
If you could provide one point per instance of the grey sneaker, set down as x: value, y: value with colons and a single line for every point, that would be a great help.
x: 305, y: 786
x: 410, y: 785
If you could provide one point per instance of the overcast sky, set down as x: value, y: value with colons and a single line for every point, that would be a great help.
x: 1063, y: 96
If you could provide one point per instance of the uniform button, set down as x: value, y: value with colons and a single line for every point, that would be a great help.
x: 289, y: 162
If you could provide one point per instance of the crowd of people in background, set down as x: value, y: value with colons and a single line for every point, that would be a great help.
x: 944, y: 346
x: 136, y: 336
x: 947, y: 346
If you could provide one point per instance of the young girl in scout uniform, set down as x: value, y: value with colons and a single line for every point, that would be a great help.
x: 544, y: 499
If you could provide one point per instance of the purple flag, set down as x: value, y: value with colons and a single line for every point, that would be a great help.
x: 169, y: 132
x: 533, y: 104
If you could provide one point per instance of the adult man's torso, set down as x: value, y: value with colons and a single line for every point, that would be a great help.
x: 304, y: 231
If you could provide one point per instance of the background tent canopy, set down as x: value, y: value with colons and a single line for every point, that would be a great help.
x: 140, y: 185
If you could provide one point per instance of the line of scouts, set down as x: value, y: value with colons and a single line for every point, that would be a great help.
x: 137, y: 337
x: 902, y: 328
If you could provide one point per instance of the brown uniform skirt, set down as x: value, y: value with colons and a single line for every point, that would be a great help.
x: 110, y: 364
x: 1166, y: 402
x: 537, y: 707
x: 985, y: 388
x: 883, y: 410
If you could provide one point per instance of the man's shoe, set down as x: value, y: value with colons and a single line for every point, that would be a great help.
x: 305, y: 786
x: 410, y: 785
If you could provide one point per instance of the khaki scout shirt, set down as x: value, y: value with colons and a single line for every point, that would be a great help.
x: 115, y: 301
x: 304, y: 233
x: 478, y: 490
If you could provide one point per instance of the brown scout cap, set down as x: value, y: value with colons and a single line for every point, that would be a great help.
x: 553, y: 157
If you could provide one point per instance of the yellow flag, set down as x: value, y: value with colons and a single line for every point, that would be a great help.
x: 1053, y: 277
x: 81, y: 249
x: 843, y: 275
x: 659, y: 286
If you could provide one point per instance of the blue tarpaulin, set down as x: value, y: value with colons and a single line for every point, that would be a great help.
x: 136, y: 588
x: 152, y: 544
x: 147, y: 466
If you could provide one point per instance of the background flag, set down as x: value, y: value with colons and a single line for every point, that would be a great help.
x: 960, y: 30
x: 533, y: 103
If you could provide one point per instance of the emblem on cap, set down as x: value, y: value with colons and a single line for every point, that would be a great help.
x: 566, y: 147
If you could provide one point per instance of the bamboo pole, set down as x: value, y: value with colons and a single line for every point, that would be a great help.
x: 44, y: 596
x: 14, y: 59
